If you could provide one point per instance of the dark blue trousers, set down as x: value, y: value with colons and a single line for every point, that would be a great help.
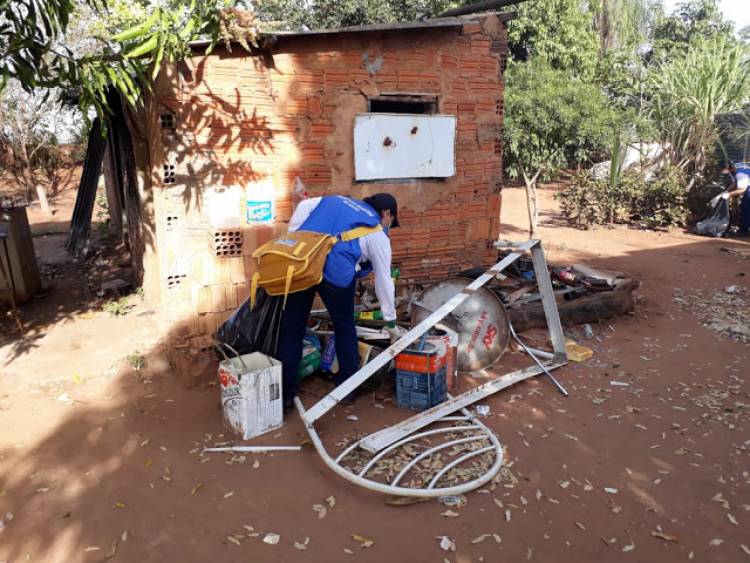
x: 340, y: 304
x: 745, y: 212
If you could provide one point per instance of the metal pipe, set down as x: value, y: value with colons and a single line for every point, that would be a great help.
x: 456, y: 462
x: 540, y: 364
x: 431, y: 451
x: 411, y: 438
x: 541, y: 353
x: 253, y: 449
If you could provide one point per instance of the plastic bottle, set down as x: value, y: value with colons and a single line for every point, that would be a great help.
x: 566, y: 276
x: 369, y: 315
x: 299, y: 193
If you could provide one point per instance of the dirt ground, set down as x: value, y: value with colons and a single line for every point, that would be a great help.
x: 647, y: 460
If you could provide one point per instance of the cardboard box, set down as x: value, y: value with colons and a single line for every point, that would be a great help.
x: 251, y: 394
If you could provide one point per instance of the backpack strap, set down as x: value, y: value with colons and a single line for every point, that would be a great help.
x: 288, y: 285
x: 359, y: 232
x: 254, y: 288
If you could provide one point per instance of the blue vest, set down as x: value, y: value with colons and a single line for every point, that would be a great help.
x: 333, y: 216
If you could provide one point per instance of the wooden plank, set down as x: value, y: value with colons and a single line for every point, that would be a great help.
x: 335, y: 396
x: 384, y: 438
x: 587, y: 309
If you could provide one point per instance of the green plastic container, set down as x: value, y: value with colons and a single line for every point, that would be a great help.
x: 310, y: 362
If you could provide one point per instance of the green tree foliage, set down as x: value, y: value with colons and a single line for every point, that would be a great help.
x: 692, y: 21
x: 690, y: 90
x: 626, y: 25
x: 553, y: 119
x: 558, y: 32
x: 29, y: 30
x: 319, y: 14
x: 34, y: 48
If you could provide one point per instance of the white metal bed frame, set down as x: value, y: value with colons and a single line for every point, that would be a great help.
x: 409, y: 431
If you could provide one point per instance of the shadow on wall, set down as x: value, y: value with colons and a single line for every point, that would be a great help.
x: 131, y: 464
x: 214, y: 136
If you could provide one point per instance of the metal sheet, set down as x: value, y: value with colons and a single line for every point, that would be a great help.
x: 389, y: 146
x: 481, y: 322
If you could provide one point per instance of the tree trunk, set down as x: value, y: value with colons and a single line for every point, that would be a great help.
x: 532, y: 202
x: 43, y: 202
x: 31, y: 182
x: 30, y: 178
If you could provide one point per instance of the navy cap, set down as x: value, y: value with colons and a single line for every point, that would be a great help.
x: 381, y: 202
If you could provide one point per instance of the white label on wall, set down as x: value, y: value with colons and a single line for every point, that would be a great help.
x: 391, y: 145
x: 223, y: 206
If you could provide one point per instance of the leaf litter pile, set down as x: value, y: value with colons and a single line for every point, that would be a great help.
x: 387, y: 467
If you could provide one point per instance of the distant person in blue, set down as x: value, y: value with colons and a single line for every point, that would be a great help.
x: 347, y: 262
x: 738, y: 186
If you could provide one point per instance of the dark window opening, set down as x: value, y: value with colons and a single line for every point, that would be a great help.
x: 425, y: 105
x: 167, y: 121
x: 169, y: 174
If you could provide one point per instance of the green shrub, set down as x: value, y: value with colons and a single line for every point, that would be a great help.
x: 662, y: 202
x: 658, y: 202
x: 580, y: 202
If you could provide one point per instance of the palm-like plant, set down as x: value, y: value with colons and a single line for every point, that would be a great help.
x: 689, y: 92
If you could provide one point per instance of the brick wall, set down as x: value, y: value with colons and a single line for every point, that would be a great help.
x: 238, y: 118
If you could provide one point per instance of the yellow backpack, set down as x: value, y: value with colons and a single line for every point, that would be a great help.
x: 295, y: 261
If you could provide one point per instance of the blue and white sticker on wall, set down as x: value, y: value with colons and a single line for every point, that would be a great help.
x: 260, y: 202
x: 259, y: 211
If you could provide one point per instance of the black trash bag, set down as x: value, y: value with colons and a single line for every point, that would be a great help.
x: 255, y: 330
x: 716, y: 224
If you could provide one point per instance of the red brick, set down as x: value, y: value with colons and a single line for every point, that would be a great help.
x: 218, y: 298
x: 313, y: 105
x: 243, y: 292
x: 231, y: 296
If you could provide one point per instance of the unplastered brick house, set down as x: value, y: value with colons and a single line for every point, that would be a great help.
x: 414, y: 109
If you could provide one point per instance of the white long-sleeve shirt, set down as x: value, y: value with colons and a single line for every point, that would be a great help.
x: 375, y: 249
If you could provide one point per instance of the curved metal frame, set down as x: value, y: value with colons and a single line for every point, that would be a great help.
x: 431, y: 491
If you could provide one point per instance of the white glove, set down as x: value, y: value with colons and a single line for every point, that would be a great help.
x: 715, y: 201
x: 395, y: 333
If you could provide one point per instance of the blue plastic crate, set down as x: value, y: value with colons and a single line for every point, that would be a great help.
x: 420, y: 391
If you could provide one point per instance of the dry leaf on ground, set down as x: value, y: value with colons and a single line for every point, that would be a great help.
x: 446, y: 544
x: 663, y: 536
x: 363, y: 541
x: 302, y: 546
x: 271, y: 538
